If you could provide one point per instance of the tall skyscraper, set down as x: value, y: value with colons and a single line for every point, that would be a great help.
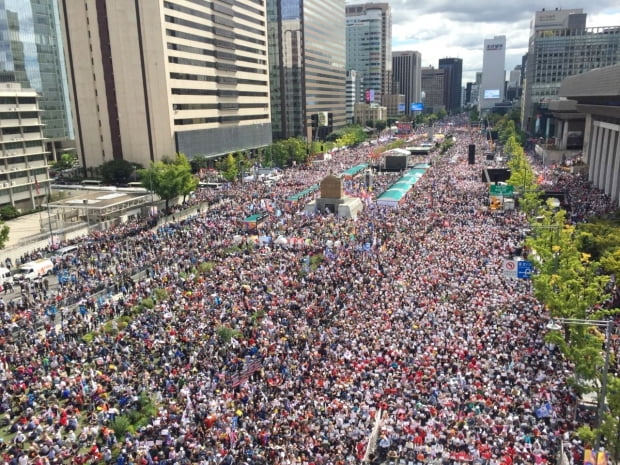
x: 407, y: 76
x: 454, y: 76
x: 560, y: 46
x: 307, y: 67
x: 493, y: 72
x: 31, y: 54
x: 354, y: 93
x: 434, y: 89
x: 369, y: 45
x: 150, y: 79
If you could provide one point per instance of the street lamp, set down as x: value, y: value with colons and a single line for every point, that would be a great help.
x: 558, y: 324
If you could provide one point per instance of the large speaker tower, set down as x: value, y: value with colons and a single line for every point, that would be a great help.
x: 472, y: 154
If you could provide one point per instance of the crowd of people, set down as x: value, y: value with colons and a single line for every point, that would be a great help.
x: 395, y: 336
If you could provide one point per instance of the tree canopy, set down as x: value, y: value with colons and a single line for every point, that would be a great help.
x: 65, y: 162
x: 4, y: 235
x: 118, y: 171
x: 170, y: 178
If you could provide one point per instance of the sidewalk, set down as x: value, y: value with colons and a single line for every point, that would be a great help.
x: 24, y: 227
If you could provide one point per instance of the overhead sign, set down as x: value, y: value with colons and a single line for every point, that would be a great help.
x: 503, y: 190
x: 524, y: 269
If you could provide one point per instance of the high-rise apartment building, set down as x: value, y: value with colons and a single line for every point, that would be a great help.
x: 493, y: 73
x: 150, y: 79
x: 307, y: 67
x: 561, y: 45
x: 434, y: 89
x: 369, y: 45
x: 24, y: 173
x: 407, y: 76
x: 454, y: 76
x: 32, y: 55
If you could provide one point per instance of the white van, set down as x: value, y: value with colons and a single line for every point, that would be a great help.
x: 35, y: 269
x: 5, y: 276
x: 65, y: 252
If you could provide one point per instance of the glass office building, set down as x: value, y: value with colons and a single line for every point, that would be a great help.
x: 561, y: 46
x: 454, y: 66
x: 31, y: 54
x: 306, y: 66
x: 369, y: 46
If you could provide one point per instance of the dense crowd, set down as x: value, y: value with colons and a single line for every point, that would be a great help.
x: 393, y: 336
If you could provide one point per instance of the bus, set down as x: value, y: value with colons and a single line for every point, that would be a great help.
x: 91, y: 182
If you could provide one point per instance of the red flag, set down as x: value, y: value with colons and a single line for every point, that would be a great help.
x: 36, y: 185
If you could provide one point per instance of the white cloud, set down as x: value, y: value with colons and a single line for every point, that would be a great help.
x: 457, y: 28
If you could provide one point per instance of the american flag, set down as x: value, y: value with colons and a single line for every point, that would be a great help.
x: 249, y: 368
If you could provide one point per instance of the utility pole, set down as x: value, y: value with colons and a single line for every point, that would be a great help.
x: 49, y: 215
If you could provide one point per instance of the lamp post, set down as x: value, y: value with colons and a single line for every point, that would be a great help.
x: 557, y: 324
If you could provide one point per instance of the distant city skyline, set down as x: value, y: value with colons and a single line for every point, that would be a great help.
x: 457, y: 28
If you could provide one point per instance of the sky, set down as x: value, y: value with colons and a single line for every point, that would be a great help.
x: 457, y: 28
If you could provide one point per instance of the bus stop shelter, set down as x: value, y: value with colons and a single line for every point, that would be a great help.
x: 94, y: 206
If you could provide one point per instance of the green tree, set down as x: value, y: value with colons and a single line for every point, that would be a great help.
x: 507, y: 130
x: 570, y: 285
x: 601, y: 239
x: 349, y: 135
x: 4, y: 235
x: 380, y: 125
x: 571, y: 282
x: 474, y: 115
x: 198, y: 162
x: 118, y: 171
x: 65, y: 162
x: 522, y: 177
x: 227, y: 334
x: 612, y: 419
x: 294, y: 149
x: 8, y: 212
x: 187, y: 181
x: 169, y: 178
x: 228, y: 167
